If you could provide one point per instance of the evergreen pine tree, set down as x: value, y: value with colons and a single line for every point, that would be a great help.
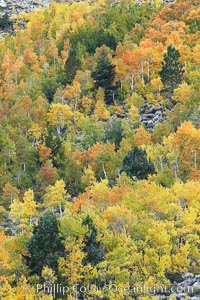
x: 104, y: 75
x: 45, y: 245
x: 5, y: 21
x: 172, y: 69
x: 92, y: 246
x: 136, y: 164
x: 73, y: 63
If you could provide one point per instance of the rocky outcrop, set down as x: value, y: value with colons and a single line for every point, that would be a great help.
x: 190, y: 286
x: 15, y: 7
x: 12, y: 8
x: 168, y: 1
x: 150, y: 115
x: 140, y: 2
x: 188, y: 289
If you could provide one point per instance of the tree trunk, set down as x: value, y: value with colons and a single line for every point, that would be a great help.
x: 132, y: 85
x: 176, y: 169
x: 161, y: 164
x: 60, y: 208
x: 58, y: 128
x: 104, y: 171
x: 120, y: 85
x: 118, y: 172
x: 75, y: 104
x: 148, y: 70
x: 11, y: 198
x: 195, y: 159
x: 142, y: 70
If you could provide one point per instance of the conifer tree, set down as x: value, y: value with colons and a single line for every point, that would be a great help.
x: 73, y: 63
x: 45, y: 245
x: 92, y: 246
x: 104, y: 75
x: 5, y: 22
x: 172, y: 69
x: 136, y: 164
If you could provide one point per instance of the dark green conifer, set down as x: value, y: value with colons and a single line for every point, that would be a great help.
x: 92, y: 246
x: 104, y: 75
x: 45, y: 246
x: 136, y: 165
x: 172, y: 69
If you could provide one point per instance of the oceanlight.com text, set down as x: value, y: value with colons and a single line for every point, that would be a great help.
x: 59, y: 289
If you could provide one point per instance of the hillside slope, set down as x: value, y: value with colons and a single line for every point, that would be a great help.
x: 100, y: 152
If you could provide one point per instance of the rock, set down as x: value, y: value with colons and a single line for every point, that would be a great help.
x: 150, y: 115
x: 139, y: 2
x: 181, y: 295
x: 13, y: 8
x: 168, y: 1
x: 196, y: 285
x: 188, y: 275
x: 190, y: 286
x: 197, y: 278
x: 186, y: 282
x: 3, y: 4
x: 143, y: 108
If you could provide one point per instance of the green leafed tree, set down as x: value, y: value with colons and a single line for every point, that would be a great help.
x: 113, y: 132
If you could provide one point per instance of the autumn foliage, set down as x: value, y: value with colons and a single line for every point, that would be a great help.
x: 89, y: 193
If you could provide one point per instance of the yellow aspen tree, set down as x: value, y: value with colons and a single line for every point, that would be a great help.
x: 9, y: 193
x: 5, y: 255
x: 182, y: 93
x: 156, y: 84
x: 72, y: 94
x: 6, y: 67
x: 133, y: 114
x: 72, y: 267
x: 142, y: 137
x: 24, y: 290
x: 48, y: 275
x: 156, y: 153
x: 6, y: 291
x: 86, y: 105
x: 22, y: 212
x: 53, y: 51
x: 121, y: 71
x: 34, y: 133
x: 196, y: 54
x: 56, y: 195
x: 85, y: 80
x: 29, y: 207
x: 59, y: 115
x: 100, y: 107
x: 15, y: 210
x: 88, y: 178
x: 98, y: 193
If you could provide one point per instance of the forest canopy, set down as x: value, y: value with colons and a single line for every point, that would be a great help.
x: 100, y: 149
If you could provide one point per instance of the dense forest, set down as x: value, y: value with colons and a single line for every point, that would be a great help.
x: 100, y: 151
